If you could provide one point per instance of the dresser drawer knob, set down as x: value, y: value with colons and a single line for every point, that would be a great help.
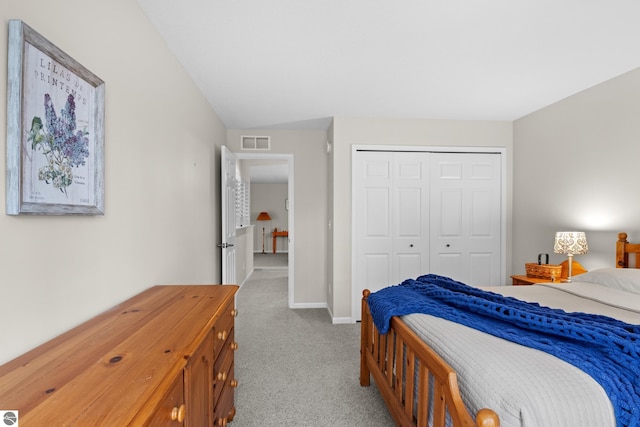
x: 234, y: 312
x: 178, y: 413
x: 222, y: 335
x: 233, y: 383
x: 222, y: 376
x: 234, y: 345
x: 221, y: 422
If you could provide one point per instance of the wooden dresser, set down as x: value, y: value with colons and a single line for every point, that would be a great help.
x: 162, y: 358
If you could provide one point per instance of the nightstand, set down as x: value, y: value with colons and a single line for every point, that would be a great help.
x: 524, y: 280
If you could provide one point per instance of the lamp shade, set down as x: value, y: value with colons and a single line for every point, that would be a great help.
x: 263, y: 216
x: 570, y: 243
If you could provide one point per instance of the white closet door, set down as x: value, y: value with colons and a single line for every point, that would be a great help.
x: 373, y: 221
x: 410, y: 198
x: 391, y: 219
x: 466, y: 217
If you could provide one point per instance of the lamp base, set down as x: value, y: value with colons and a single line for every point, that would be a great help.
x: 569, y: 265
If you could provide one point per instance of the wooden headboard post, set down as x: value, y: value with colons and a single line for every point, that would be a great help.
x: 623, y: 249
x: 622, y: 257
x: 365, y: 339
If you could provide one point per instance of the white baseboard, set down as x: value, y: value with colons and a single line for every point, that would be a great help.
x: 245, y: 279
x: 310, y: 305
x: 334, y: 320
x: 341, y: 320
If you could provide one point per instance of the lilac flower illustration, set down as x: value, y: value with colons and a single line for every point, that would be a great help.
x: 63, y: 146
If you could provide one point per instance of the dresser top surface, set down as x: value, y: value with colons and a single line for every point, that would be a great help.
x: 126, y: 353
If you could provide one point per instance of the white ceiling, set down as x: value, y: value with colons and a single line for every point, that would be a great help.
x: 267, y: 171
x: 296, y: 63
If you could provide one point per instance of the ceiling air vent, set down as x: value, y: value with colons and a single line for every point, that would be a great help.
x: 255, y: 143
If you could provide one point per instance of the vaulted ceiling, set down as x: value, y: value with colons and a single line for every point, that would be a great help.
x: 297, y: 63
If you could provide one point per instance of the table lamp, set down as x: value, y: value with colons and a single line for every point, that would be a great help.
x: 263, y: 216
x: 570, y: 243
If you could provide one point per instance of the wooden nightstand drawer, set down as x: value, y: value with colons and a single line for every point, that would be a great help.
x: 524, y: 280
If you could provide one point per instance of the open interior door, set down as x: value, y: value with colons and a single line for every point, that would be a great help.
x: 228, y: 192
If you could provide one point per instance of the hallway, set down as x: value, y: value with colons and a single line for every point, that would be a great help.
x: 295, y: 368
x: 270, y: 261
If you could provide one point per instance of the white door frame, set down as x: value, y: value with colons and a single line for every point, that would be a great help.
x: 290, y: 194
x: 355, y: 296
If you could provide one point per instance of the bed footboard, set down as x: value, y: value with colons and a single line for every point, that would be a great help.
x: 419, y: 388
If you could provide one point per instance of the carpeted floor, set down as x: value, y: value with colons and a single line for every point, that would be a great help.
x: 294, y: 367
x: 270, y: 260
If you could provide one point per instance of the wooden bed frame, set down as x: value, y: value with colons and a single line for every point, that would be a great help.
x: 623, y: 249
x: 399, y: 359
x: 400, y: 354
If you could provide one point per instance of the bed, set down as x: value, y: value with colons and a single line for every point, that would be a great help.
x: 435, y: 372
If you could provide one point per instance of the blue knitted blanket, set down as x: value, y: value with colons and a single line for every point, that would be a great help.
x: 605, y: 348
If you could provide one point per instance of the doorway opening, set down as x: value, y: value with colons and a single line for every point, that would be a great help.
x: 272, y: 200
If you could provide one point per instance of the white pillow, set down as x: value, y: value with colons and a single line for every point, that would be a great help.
x: 626, y: 279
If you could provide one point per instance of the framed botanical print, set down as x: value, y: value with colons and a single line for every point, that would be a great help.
x: 55, y: 129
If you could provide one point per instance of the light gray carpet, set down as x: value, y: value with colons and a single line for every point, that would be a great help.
x: 270, y: 260
x: 294, y: 367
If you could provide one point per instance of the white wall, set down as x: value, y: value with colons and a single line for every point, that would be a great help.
x: 244, y: 253
x: 346, y: 132
x: 310, y: 195
x: 161, y: 218
x: 575, y: 165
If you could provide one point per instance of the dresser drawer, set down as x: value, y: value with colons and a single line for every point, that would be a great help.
x: 223, y: 328
x: 171, y: 411
x: 225, y: 409
x: 222, y: 367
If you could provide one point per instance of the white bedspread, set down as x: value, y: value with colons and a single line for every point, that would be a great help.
x: 527, y: 387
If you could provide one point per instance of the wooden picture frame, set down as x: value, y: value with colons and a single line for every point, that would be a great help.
x: 55, y: 130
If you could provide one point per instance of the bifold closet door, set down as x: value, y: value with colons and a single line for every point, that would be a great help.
x: 466, y: 217
x: 391, y: 219
x: 426, y: 212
